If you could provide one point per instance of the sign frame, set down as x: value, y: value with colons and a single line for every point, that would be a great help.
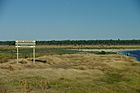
x: 25, y: 44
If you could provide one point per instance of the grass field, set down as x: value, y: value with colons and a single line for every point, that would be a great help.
x: 60, y: 70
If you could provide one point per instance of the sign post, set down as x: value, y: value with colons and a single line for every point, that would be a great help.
x: 25, y: 44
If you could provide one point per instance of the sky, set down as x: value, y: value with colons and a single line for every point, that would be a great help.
x: 69, y: 19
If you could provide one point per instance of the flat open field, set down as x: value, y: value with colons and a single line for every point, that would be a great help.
x: 60, y: 70
x: 83, y: 46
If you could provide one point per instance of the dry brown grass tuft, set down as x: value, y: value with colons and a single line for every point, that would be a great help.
x: 28, y: 84
x: 3, y: 88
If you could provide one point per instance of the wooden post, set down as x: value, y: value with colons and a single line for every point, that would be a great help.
x: 34, y: 54
x: 17, y: 54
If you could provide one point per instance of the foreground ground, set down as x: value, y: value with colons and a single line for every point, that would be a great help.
x: 71, y: 73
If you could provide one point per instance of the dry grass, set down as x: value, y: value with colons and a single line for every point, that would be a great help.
x: 71, y: 73
x: 3, y: 88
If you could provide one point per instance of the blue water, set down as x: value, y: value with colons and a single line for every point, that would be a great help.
x: 134, y: 53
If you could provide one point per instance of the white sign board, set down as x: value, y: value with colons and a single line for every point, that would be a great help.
x: 25, y: 43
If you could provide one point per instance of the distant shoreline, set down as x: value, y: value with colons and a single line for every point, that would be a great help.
x: 106, y: 50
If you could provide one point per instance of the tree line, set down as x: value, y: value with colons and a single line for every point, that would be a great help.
x: 80, y: 42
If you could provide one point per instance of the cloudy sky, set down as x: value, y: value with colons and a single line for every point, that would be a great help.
x: 69, y: 19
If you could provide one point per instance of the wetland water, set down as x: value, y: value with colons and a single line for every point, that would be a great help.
x: 128, y: 52
x: 134, y: 53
